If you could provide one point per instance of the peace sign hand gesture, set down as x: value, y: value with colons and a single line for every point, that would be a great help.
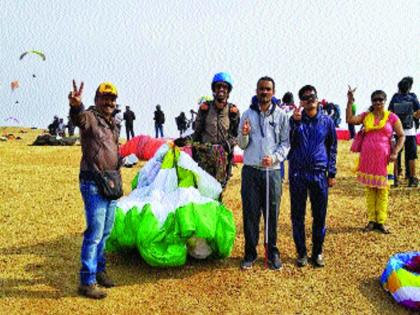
x: 75, y: 96
x: 297, y: 113
x: 350, y: 94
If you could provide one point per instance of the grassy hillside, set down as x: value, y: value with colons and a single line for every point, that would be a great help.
x: 42, y: 221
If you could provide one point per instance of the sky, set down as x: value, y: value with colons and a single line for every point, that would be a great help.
x: 166, y: 52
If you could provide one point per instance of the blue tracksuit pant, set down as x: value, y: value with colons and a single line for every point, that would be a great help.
x: 316, y: 182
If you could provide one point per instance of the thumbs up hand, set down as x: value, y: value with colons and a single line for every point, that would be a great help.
x: 246, y: 128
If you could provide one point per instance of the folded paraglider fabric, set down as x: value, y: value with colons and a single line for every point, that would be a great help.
x: 173, y: 210
x: 401, y: 278
x: 145, y: 147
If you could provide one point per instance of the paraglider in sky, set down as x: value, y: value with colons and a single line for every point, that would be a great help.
x: 11, y: 118
x: 17, y: 102
x: 33, y: 76
x: 37, y: 52
x: 14, y: 85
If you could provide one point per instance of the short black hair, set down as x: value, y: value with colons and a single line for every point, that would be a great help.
x: 305, y: 89
x: 288, y: 98
x: 267, y: 78
x: 405, y: 84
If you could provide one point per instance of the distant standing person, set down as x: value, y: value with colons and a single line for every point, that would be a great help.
x: 191, y: 122
x: 129, y: 118
x: 181, y: 123
x: 351, y: 126
x: 70, y: 127
x: 312, y: 169
x: 159, y: 119
x: 407, y: 107
x: 99, y: 139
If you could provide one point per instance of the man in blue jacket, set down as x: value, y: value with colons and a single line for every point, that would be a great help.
x: 312, y: 167
x: 265, y: 140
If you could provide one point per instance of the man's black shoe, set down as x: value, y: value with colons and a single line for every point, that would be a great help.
x: 275, y: 263
x: 247, y: 264
x: 104, y: 280
x: 302, y: 261
x: 413, y: 182
x: 318, y: 261
x: 91, y: 291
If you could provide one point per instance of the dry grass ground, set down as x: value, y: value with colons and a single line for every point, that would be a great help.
x: 42, y: 220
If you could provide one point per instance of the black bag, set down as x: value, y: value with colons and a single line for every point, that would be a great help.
x: 109, y: 184
x: 404, y: 111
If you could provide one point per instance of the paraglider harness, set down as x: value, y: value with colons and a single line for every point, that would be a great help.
x: 233, y: 124
x: 232, y: 131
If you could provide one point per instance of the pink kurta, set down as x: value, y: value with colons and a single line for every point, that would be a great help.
x: 374, y: 156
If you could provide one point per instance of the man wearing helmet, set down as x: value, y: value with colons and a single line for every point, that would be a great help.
x: 215, y: 130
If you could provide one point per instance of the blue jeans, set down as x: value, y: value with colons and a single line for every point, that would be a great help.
x: 99, y: 213
x: 253, y: 192
x: 159, y: 127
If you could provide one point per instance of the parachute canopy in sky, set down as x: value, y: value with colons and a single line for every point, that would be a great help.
x: 14, y: 85
x: 11, y: 118
x: 37, y: 52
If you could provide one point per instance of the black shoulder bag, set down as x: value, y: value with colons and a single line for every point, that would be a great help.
x: 109, y: 184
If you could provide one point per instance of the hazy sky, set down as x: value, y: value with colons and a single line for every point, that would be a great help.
x: 166, y: 52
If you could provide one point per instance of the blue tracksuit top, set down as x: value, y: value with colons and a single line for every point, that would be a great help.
x: 313, y: 144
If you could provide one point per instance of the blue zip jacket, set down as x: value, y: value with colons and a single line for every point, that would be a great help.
x: 313, y: 144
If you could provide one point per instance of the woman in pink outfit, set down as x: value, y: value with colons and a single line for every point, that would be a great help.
x: 375, y: 155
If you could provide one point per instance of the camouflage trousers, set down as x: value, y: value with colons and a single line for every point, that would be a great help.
x: 213, y: 159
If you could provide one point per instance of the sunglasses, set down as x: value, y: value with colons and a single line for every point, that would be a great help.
x: 378, y: 99
x: 221, y: 85
x: 308, y: 97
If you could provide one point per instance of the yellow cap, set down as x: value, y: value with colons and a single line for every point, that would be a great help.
x: 107, y: 88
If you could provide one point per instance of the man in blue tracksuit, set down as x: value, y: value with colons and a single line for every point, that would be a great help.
x: 312, y: 167
x: 264, y: 137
